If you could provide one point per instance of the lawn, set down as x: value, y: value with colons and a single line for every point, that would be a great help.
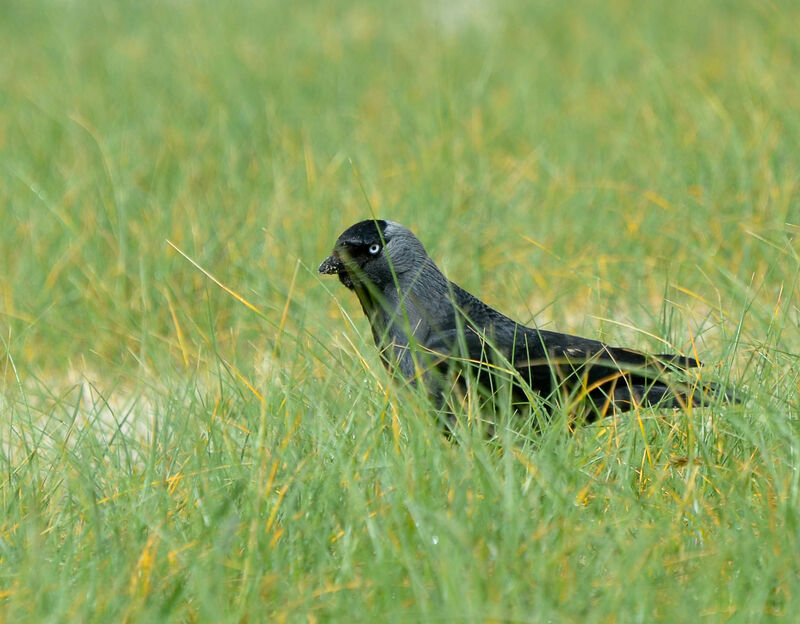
x: 195, y: 426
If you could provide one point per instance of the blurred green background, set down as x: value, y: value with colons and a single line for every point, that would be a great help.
x: 623, y: 170
x: 634, y: 143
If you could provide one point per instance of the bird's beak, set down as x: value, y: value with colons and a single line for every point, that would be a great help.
x: 332, y: 265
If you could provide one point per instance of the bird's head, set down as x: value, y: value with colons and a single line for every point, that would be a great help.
x: 371, y: 253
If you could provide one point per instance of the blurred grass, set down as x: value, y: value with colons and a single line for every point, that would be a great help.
x: 621, y: 170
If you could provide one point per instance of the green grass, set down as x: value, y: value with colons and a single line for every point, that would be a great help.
x: 626, y: 171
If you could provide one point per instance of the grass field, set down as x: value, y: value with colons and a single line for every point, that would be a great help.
x: 172, y: 452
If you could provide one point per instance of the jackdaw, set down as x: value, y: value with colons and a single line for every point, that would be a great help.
x: 436, y: 333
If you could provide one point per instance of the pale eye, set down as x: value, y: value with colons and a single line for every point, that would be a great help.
x: 374, y: 248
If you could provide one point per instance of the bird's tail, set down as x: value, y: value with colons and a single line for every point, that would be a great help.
x: 626, y: 396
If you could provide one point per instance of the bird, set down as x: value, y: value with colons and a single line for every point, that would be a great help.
x: 435, y: 333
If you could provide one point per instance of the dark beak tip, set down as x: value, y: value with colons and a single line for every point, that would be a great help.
x: 331, y: 265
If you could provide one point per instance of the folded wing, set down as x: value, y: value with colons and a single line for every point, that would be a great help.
x: 546, y: 363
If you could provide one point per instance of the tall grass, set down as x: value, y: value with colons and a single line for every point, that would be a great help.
x: 173, y: 450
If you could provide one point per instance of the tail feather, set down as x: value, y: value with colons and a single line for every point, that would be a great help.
x: 681, y: 361
x: 662, y: 395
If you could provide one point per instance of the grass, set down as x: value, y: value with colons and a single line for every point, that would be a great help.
x: 169, y: 453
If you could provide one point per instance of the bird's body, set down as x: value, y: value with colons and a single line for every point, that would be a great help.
x: 435, y: 331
